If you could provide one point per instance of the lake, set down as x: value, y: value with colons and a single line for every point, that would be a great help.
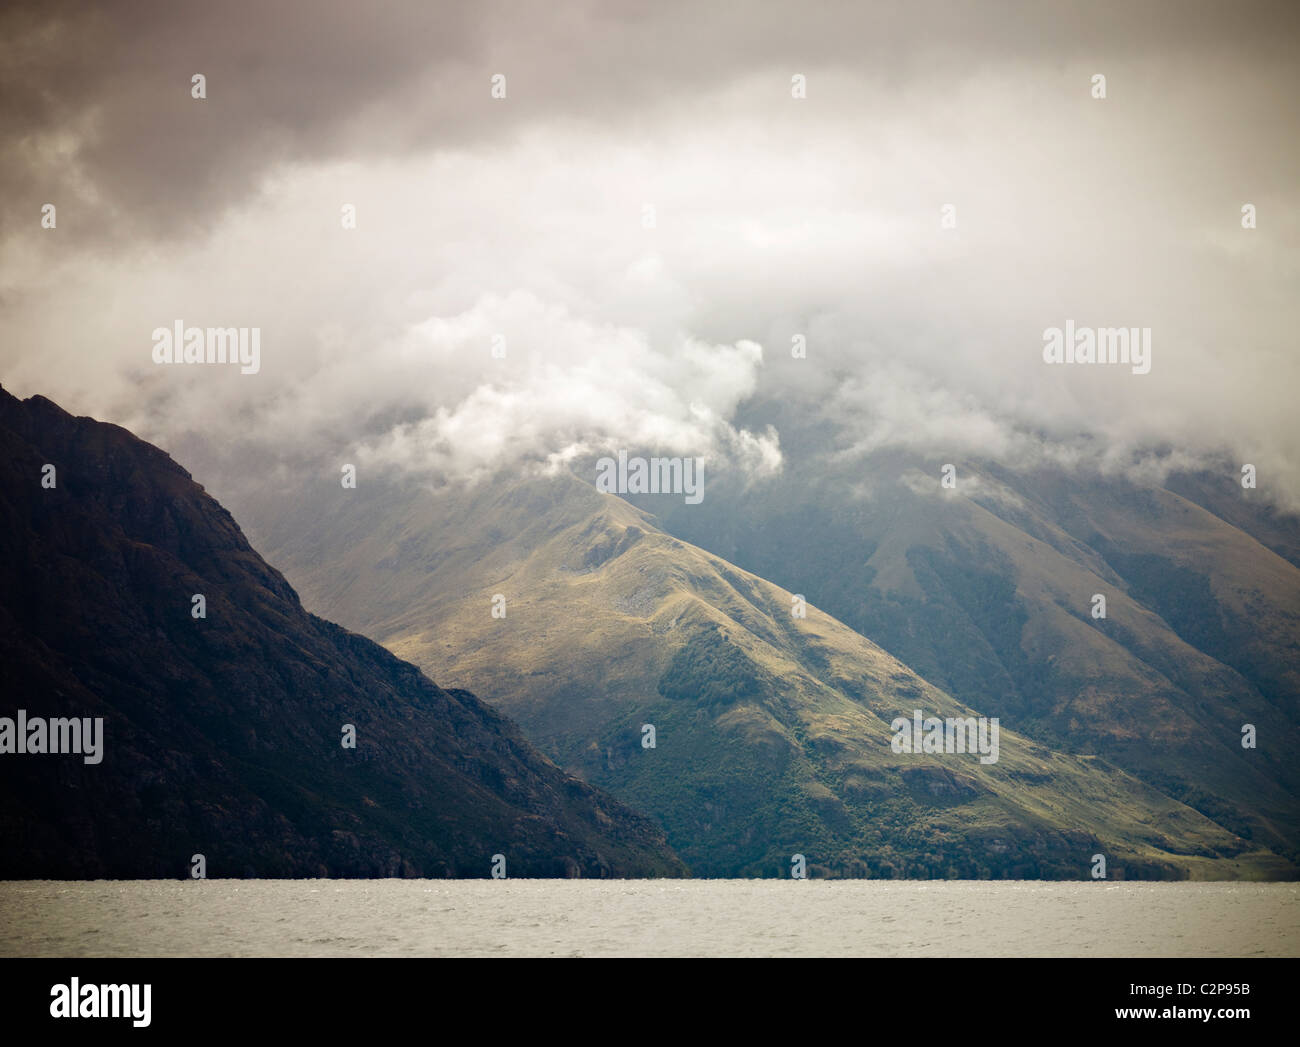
x: 646, y: 918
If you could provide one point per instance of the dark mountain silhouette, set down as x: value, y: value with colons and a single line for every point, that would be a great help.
x: 222, y: 734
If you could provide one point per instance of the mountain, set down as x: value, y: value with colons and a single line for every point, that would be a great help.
x: 772, y: 732
x: 223, y: 734
x: 988, y: 591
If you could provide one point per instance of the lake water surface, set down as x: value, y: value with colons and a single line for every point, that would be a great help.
x: 645, y: 918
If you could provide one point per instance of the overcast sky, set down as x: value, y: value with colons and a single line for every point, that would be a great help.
x: 524, y: 219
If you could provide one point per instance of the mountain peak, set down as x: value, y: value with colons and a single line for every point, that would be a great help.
x: 128, y: 594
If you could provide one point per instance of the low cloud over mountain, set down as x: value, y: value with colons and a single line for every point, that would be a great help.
x: 647, y: 203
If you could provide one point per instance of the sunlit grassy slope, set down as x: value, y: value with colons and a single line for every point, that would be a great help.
x: 988, y: 590
x: 772, y: 731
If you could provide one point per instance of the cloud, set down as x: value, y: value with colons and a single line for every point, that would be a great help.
x: 569, y: 389
x: 774, y: 218
x: 99, y: 116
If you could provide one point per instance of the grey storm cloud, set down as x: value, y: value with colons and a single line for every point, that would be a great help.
x: 97, y: 110
x: 525, y: 220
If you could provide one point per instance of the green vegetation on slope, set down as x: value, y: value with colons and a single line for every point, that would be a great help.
x: 772, y: 732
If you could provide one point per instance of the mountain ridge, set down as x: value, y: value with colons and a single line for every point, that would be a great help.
x: 772, y: 732
x: 223, y: 733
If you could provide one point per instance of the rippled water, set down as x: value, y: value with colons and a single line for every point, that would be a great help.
x: 645, y: 918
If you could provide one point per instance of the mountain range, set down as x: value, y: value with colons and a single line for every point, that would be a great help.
x: 712, y: 687
x: 226, y: 721
x: 773, y: 732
